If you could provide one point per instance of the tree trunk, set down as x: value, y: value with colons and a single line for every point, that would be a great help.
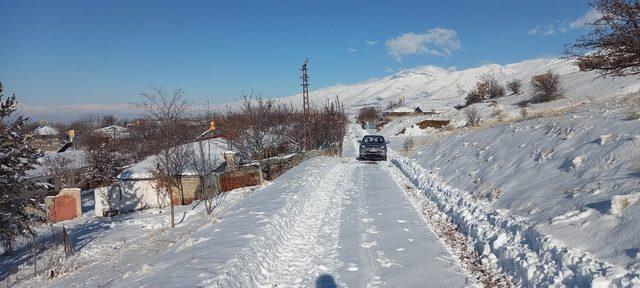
x: 173, y: 224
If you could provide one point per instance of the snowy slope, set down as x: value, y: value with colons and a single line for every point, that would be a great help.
x: 436, y: 87
x: 561, y: 172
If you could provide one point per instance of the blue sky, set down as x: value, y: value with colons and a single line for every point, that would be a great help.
x: 107, y: 52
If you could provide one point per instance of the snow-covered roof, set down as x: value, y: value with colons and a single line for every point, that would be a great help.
x: 77, y: 160
x: 46, y: 130
x: 401, y: 110
x: 142, y: 170
x: 113, y: 131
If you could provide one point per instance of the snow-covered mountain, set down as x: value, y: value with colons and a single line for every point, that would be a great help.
x: 433, y: 87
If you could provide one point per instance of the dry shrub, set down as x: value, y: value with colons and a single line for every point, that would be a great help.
x: 477, y: 95
x: 547, y: 87
x: 408, y: 145
x: 524, y: 113
x: 494, y: 89
x: 472, y: 115
x: 499, y: 113
x: 515, y: 86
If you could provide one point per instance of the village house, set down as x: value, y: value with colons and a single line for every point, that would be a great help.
x: 113, y: 132
x: 47, y: 138
x: 136, y: 187
x: 400, y: 112
x: 68, y: 165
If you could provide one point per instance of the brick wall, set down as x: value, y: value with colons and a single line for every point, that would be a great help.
x: 66, y: 205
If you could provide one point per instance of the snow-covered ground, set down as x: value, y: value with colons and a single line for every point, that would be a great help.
x: 328, y: 222
x: 548, y: 200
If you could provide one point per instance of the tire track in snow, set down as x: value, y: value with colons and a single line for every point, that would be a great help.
x: 300, y: 241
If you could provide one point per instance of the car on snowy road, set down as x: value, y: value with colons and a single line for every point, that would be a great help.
x: 373, y: 147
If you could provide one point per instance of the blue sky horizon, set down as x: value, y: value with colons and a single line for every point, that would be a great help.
x: 107, y: 52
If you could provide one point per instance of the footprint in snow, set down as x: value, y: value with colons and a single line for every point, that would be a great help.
x: 399, y: 249
x: 410, y: 240
x: 352, y: 267
x: 384, y: 260
x: 402, y: 221
x: 405, y: 229
x: 371, y: 230
x: 368, y: 244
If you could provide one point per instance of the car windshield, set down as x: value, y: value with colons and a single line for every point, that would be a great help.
x: 373, y: 139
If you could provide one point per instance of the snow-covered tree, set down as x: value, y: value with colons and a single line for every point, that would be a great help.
x: 17, y: 156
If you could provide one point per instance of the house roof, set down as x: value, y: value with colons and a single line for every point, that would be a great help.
x: 143, y: 169
x: 113, y: 131
x: 46, y: 130
x: 77, y: 160
x: 400, y: 110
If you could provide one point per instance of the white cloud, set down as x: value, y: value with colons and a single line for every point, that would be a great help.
x: 586, y: 19
x: 371, y: 43
x: 561, y: 27
x: 354, y: 50
x: 388, y: 70
x: 437, y: 41
x: 549, y: 30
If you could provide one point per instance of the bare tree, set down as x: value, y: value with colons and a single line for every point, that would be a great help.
x: 167, y: 111
x: 368, y: 114
x: 61, y: 168
x: 204, y: 163
x: 170, y: 167
x: 547, y: 87
x: 329, y: 126
x: 514, y: 85
x: 473, y: 116
x: 611, y: 47
x: 258, y: 127
x: 108, y: 120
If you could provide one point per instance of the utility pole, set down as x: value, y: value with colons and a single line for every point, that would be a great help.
x: 306, y: 141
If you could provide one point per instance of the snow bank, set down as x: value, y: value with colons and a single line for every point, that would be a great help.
x: 547, y: 167
x: 301, y: 236
x: 522, y: 252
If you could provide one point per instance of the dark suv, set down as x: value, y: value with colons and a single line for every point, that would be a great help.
x: 373, y: 147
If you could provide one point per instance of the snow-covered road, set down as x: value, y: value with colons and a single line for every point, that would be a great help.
x: 383, y: 240
x: 346, y: 223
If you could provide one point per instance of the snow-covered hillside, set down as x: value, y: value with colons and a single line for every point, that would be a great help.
x: 436, y: 87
